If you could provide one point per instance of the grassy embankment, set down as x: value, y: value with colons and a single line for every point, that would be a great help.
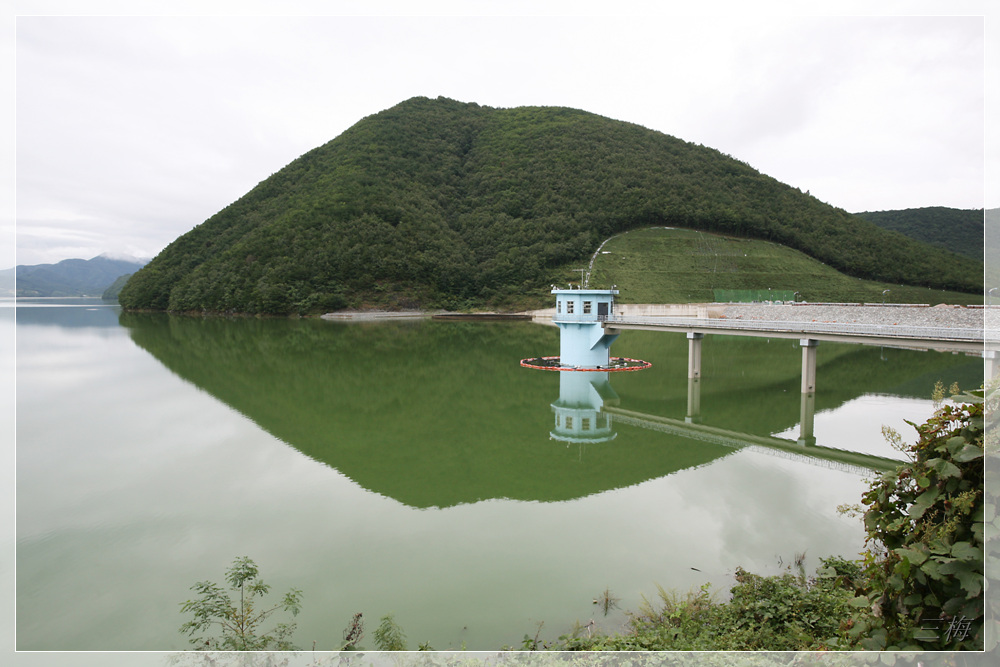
x: 659, y: 265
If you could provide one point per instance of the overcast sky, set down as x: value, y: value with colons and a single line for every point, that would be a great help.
x: 132, y: 130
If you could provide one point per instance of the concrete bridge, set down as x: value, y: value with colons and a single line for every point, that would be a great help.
x: 947, y: 339
x: 944, y: 339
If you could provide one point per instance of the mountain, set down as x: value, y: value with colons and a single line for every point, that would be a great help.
x: 992, y: 273
x: 72, y: 277
x: 957, y: 230
x: 6, y: 282
x: 111, y: 293
x: 444, y: 203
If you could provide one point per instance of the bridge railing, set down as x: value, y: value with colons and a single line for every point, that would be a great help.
x: 885, y: 330
x: 577, y: 318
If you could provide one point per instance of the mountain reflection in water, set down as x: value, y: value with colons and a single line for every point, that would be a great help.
x: 437, y: 414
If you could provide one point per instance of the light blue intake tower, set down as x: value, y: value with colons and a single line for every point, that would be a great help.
x: 579, y: 316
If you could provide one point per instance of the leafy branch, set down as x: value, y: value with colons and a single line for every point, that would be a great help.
x: 238, y: 613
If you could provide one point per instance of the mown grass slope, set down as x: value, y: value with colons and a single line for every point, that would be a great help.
x: 657, y: 265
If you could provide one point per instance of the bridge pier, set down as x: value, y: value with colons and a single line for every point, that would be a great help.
x: 808, y: 364
x: 990, y: 364
x: 807, y: 413
x: 694, y: 354
x: 694, y: 401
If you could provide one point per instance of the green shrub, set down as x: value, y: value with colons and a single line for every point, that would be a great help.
x: 389, y: 635
x: 776, y: 613
x: 924, y: 562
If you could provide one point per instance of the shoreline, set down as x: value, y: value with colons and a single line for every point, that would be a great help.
x: 370, y: 315
x: 375, y: 315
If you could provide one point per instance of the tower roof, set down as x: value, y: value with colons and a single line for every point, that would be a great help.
x: 584, y: 290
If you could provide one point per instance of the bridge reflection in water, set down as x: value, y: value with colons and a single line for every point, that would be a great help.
x: 588, y: 408
x: 809, y: 334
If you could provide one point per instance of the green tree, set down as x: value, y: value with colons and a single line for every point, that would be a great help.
x: 236, y: 613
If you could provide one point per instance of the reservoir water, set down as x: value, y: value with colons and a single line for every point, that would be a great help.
x: 414, y: 468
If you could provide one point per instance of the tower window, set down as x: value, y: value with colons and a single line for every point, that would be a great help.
x: 569, y: 307
x: 586, y: 308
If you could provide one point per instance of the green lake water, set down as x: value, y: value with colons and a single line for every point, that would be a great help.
x: 415, y: 468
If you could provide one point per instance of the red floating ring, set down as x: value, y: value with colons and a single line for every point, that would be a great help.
x: 641, y: 365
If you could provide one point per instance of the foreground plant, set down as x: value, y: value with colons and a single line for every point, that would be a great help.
x: 236, y: 613
x: 919, y: 587
x: 924, y: 562
x: 389, y: 635
x: 789, y: 612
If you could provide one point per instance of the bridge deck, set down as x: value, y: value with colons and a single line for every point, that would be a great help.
x: 947, y: 339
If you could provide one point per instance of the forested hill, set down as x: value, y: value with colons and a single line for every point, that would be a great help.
x: 448, y: 204
x: 958, y: 230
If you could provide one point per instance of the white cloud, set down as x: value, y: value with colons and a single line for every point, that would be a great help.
x: 146, y: 126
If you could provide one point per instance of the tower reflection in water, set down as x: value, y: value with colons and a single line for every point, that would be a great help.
x: 579, y: 412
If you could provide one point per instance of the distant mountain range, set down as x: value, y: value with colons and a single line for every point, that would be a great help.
x: 70, y: 277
